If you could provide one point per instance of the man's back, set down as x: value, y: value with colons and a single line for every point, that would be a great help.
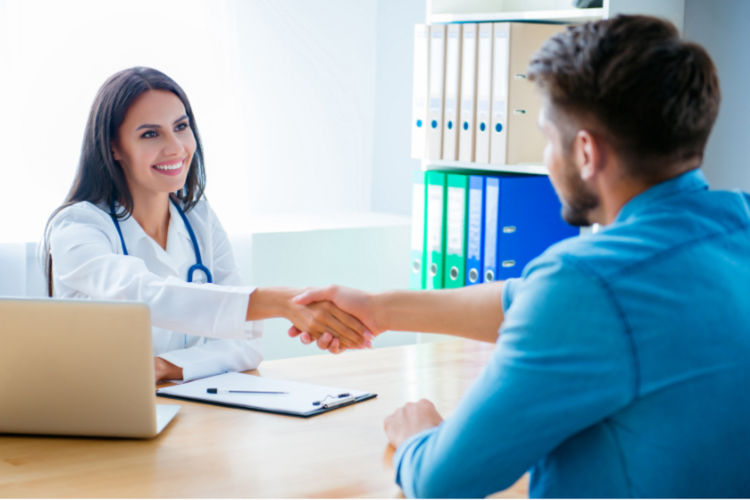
x: 675, y: 265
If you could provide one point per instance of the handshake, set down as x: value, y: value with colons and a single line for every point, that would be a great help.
x: 336, y: 318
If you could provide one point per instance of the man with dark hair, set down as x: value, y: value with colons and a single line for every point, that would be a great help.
x: 622, y: 355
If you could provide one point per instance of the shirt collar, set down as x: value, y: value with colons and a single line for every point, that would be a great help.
x: 692, y: 180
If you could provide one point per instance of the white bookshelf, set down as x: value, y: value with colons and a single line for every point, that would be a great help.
x: 521, y: 168
x: 563, y: 16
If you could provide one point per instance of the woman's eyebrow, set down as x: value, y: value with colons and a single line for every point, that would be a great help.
x: 153, y: 125
x: 147, y: 125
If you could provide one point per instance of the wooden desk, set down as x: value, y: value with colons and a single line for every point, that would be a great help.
x: 209, y: 451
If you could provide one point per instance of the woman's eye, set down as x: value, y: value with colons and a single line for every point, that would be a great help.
x: 148, y: 134
x: 181, y: 126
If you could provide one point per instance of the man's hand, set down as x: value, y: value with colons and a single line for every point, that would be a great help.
x: 354, y: 302
x: 411, y: 419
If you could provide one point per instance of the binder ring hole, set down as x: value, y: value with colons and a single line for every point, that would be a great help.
x: 433, y: 269
x: 416, y: 266
x: 454, y: 273
x: 473, y: 275
x: 489, y: 276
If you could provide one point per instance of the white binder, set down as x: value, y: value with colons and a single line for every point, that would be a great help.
x: 419, y: 91
x: 484, y: 93
x: 499, y: 124
x: 436, y: 86
x: 452, y: 92
x: 468, y: 96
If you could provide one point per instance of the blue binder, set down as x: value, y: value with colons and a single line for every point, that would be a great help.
x: 475, y: 231
x: 490, y: 224
x: 529, y: 222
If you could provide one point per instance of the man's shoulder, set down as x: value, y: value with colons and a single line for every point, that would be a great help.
x: 600, y: 252
x: 657, y: 233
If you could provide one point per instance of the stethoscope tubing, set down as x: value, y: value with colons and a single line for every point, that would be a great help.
x: 198, y: 266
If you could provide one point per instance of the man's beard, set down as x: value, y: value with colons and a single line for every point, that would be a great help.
x: 576, y: 210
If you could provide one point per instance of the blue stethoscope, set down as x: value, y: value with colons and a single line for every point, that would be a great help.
x: 204, y: 273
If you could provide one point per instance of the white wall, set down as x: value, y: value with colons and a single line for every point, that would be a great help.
x: 283, y: 91
x: 392, y: 166
x: 721, y: 27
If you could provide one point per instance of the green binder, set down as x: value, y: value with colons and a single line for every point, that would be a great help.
x: 454, y: 272
x: 434, y: 233
x: 417, y: 266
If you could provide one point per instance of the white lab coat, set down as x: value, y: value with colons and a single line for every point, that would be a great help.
x: 88, y: 262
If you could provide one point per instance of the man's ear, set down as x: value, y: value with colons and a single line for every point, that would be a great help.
x: 588, y: 154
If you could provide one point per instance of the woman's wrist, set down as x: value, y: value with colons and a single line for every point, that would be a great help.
x: 271, y: 302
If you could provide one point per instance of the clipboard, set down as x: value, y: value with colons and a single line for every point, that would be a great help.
x: 286, y: 397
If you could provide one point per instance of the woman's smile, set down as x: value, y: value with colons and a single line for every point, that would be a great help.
x: 170, y: 168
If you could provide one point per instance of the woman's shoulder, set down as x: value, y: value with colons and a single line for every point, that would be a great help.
x: 203, y: 212
x: 83, y: 212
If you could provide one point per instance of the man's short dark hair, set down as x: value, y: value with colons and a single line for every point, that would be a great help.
x: 653, y: 95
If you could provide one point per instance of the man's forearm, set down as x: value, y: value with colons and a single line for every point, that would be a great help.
x: 473, y: 312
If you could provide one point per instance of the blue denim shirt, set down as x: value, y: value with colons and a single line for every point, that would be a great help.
x: 622, y: 366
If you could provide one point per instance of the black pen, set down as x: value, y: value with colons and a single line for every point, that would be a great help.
x: 214, y: 390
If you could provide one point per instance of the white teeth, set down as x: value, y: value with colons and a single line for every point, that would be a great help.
x: 168, y: 167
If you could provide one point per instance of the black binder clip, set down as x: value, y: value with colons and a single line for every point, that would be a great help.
x: 337, y: 400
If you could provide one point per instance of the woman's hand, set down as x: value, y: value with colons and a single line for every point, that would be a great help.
x: 164, y: 370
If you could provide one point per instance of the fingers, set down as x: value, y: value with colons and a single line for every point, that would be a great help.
x: 326, y: 321
x: 324, y: 341
x: 335, y: 347
x: 314, y: 295
x: 353, y: 323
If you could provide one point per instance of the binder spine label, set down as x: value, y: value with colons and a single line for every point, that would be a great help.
x: 492, y: 193
x: 473, y: 248
x: 455, y: 234
x: 435, y: 218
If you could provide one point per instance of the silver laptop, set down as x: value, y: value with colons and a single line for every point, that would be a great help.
x: 78, y: 368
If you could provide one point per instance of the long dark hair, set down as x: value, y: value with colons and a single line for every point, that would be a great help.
x: 100, y: 179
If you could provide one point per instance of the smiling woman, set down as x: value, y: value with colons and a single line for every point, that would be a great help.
x: 135, y: 224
